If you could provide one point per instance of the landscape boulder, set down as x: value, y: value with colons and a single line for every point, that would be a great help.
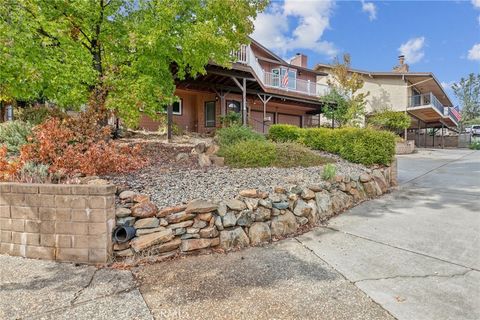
x: 235, y: 238
x: 145, y: 209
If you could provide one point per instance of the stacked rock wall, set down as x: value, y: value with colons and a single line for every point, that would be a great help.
x: 252, y: 218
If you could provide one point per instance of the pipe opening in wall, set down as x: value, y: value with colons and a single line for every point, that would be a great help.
x: 122, y: 234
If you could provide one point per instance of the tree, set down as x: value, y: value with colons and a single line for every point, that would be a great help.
x: 387, y: 119
x: 344, y: 104
x: 468, y: 93
x: 122, y: 55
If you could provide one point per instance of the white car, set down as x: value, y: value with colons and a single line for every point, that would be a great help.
x: 475, y: 130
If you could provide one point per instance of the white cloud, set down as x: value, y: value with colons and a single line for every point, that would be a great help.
x: 474, y: 53
x: 413, y: 50
x: 312, y: 18
x: 370, y: 8
x: 476, y: 3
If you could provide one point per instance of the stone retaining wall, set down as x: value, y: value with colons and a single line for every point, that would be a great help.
x: 405, y: 147
x: 57, y: 222
x: 252, y: 218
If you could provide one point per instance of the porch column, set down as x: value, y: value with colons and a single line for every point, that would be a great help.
x: 264, y: 100
x: 243, y: 87
x: 169, y: 122
x: 443, y: 141
x: 433, y: 138
x: 244, y: 101
x: 221, y: 94
x: 425, y: 138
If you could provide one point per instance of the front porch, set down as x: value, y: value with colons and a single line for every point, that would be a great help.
x: 207, y: 98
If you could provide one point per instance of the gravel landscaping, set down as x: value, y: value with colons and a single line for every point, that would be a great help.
x: 181, y: 183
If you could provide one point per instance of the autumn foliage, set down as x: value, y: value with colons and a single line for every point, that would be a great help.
x: 73, y: 146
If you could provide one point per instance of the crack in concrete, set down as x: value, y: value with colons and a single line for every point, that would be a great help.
x: 126, y: 290
x: 79, y: 292
x: 343, y: 276
x: 418, y: 276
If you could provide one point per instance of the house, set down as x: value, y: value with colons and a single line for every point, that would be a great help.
x: 420, y: 94
x: 261, y: 86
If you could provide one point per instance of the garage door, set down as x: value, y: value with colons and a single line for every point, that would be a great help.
x: 257, y: 121
x: 290, y: 119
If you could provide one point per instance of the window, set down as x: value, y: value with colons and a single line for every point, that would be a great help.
x: 278, y: 75
x: 234, y: 106
x: 210, y: 114
x: 177, y: 107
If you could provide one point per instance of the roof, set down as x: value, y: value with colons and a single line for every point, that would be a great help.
x: 281, y: 61
x: 412, y: 77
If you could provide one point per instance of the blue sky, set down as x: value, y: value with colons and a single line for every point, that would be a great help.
x: 442, y: 37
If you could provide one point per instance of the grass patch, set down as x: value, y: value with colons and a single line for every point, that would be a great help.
x: 296, y: 155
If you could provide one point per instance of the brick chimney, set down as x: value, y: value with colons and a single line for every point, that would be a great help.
x: 299, y: 60
x: 402, y: 67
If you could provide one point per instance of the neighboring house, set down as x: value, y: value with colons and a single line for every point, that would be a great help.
x: 419, y: 94
x: 261, y: 86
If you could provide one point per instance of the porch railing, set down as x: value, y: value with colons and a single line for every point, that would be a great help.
x: 246, y: 56
x: 426, y: 99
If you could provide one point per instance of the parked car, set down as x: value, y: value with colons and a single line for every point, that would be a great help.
x: 475, y: 130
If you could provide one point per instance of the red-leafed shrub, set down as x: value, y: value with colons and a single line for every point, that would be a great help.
x: 8, y: 167
x: 79, y: 145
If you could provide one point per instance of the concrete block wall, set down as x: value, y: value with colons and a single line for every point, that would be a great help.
x: 57, y: 222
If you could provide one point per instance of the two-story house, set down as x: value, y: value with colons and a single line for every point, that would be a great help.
x: 420, y: 94
x: 261, y: 86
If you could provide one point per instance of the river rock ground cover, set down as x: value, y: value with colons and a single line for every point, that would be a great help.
x: 174, y: 176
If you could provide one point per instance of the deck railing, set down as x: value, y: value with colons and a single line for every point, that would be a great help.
x: 246, y: 56
x: 426, y: 99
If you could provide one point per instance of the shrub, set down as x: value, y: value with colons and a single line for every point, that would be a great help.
x: 79, y: 146
x: 329, y: 172
x: 230, y: 119
x: 284, y: 133
x: 475, y: 145
x: 297, y: 155
x: 38, y: 114
x: 14, y: 134
x: 366, y: 146
x: 249, y: 153
x: 8, y: 167
x: 232, y: 135
x: 34, y: 173
x: 390, y: 120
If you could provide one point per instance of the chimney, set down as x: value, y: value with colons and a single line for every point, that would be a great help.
x: 402, y: 67
x: 300, y: 60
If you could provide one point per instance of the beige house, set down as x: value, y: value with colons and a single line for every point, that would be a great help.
x: 420, y: 94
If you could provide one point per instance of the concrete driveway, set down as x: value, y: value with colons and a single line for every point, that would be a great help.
x: 416, y: 252
x: 413, y: 254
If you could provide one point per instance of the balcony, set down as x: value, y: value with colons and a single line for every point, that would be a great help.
x: 246, y: 56
x: 429, y: 109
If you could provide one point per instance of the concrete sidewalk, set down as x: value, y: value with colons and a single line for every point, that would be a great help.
x: 35, y: 289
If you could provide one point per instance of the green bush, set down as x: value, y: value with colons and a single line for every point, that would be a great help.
x: 14, y: 134
x: 291, y: 154
x: 249, y: 153
x: 329, y: 172
x: 475, y: 145
x: 231, y: 119
x: 37, y: 115
x: 232, y: 135
x: 366, y: 146
x: 284, y: 133
x: 34, y: 173
x: 390, y: 120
